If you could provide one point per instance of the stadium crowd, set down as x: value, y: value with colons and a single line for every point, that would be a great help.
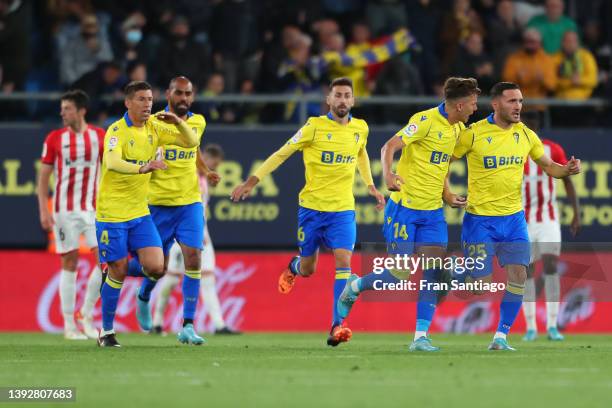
x: 551, y: 48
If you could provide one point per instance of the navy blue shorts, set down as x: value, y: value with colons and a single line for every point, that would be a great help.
x: 185, y: 223
x: 118, y: 239
x: 403, y: 228
x: 486, y: 236
x: 335, y: 230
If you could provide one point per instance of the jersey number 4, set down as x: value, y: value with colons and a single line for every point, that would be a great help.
x: 104, y: 237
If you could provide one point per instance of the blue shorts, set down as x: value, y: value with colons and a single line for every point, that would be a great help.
x: 335, y: 230
x: 185, y: 223
x: 403, y: 228
x: 117, y: 239
x: 486, y: 236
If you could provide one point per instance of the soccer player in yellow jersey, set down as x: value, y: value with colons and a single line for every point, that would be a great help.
x: 414, y: 218
x: 123, y: 221
x: 333, y: 146
x: 175, y: 202
x: 494, y: 222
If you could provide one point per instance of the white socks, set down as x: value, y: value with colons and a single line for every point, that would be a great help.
x: 499, y: 335
x: 209, y: 292
x: 67, y: 291
x: 529, y: 305
x: 419, y: 334
x: 552, y: 287
x: 92, y: 292
x: 167, y: 285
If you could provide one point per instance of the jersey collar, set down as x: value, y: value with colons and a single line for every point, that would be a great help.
x: 442, y: 110
x: 491, y: 118
x: 189, y: 113
x: 127, y: 119
x: 331, y: 117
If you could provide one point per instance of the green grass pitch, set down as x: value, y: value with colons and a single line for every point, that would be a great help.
x: 299, y: 370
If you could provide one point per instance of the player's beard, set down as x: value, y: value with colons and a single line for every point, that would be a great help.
x: 340, y: 112
x: 180, y: 109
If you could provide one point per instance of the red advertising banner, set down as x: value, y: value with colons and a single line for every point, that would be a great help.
x: 247, y: 286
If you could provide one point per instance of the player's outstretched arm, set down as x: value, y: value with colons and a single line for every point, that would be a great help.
x: 42, y: 191
x: 185, y: 136
x: 557, y: 170
x: 392, y: 180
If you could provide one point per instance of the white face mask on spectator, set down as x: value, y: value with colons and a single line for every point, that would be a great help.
x: 133, y: 36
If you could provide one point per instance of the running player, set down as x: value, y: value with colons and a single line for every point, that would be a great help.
x: 333, y: 146
x: 414, y: 216
x: 212, y: 156
x: 176, y: 208
x: 73, y: 155
x: 544, y: 228
x: 494, y: 223
x: 123, y: 221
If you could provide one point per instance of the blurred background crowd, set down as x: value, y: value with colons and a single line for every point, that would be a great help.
x: 552, y: 48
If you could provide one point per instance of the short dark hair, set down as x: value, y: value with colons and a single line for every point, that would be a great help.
x: 342, y: 81
x: 499, y: 88
x: 78, y: 97
x: 135, y: 86
x: 177, y: 78
x: 214, y: 150
x: 455, y: 88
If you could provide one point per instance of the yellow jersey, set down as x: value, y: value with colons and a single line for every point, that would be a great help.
x: 123, y: 197
x: 178, y: 184
x: 330, y: 152
x: 429, y: 142
x: 495, y: 159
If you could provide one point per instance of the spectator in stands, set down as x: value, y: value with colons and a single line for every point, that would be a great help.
x: 531, y: 67
x: 14, y: 44
x: 107, y: 80
x: 216, y: 112
x: 180, y: 55
x: 131, y: 47
x: 458, y: 24
x: 424, y: 22
x: 84, y: 51
x: 552, y: 25
x: 472, y: 61
x: 386, y: 16
x: 504, y: 34
x: 326, y: 31
x: 576, y: 68
x: 602, y: 51
x: 235, y: 38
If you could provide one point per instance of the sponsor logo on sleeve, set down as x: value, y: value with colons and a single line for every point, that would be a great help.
x: 410, y: 129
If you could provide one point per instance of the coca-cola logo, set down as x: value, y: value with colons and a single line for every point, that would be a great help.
x: 49, y: 315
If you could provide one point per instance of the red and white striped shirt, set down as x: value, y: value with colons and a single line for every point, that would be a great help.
x: 76, y: 162
x: 539, y: 191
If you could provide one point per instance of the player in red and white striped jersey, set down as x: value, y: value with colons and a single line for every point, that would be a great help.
x: 73, y: 154
x: 542, y: 214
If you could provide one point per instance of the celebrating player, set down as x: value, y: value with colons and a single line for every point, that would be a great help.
x: 175, y: 203
x: 544, y: 228
x: 212, y: 157
x: 414, y: 216
x: 494, y: 223
x: 333, y: 146
x: 123, y: 221
x: 73, y: 155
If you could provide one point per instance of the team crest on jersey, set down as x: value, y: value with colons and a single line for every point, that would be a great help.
x: 112, y: 142
x: 329, y: 136
x: 516, y: 137
x: 440, y: 135
x: 132, y: 142
x: 489, y: 139
x: 410, y: 129
x: 356, y: 137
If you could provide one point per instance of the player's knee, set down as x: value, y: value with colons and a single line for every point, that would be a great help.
x: 550, y: 266
x: 70, y: 261
x: 155, y: 271
x: 192, y: 262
